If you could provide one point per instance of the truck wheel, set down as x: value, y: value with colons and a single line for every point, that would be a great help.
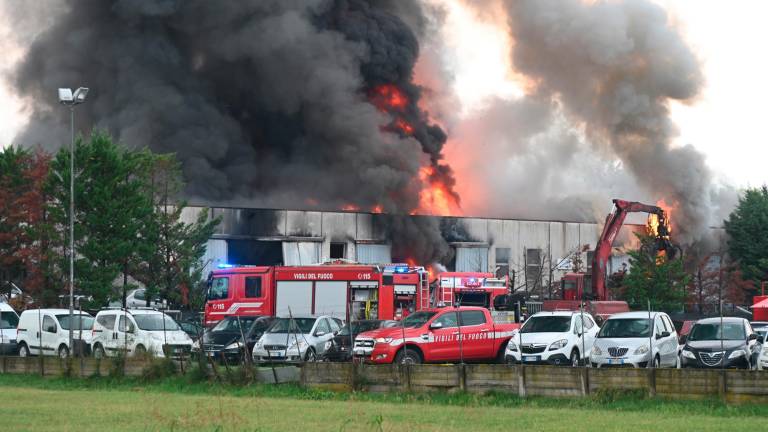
x: 63, y: 352
x: 575, y: 360
x: 23, y: 350
x: 501, y: 356
x: 408, y: 356
x: 98, y: 352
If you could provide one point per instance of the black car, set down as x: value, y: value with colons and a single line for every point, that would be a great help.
x: 340, y: 348
x: 732, y: 344
x: 224, y: 341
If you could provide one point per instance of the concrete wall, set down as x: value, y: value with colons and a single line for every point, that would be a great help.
x: 730, y: 385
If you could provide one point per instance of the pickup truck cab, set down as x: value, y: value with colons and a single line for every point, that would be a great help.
x: 437, y: 335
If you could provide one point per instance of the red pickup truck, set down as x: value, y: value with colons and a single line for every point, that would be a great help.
x: 434, y: 335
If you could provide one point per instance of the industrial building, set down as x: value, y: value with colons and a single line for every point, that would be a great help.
x: 533, y: 252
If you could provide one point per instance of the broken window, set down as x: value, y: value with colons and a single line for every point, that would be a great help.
x: 533, y: 269
x: 502, y: 262
x: 338, y: 250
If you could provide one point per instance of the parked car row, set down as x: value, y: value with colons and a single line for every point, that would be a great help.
x: 112, y: 331
x: 630, y: 339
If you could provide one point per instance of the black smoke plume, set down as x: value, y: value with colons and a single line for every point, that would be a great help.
x: 265, y: 102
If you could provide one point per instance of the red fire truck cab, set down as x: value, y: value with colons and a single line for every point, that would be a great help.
x: 346, y: 291
x: 470, y: 289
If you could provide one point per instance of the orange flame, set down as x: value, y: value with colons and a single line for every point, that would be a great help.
x: 404, y: 126
x: 388, y: 97
x: 668, y: 210
x: 350, y: 207
x: 435, y: 198
x: 378, y: 208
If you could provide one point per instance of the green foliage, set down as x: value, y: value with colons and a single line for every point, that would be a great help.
x: 128, y: 221
x: 654, y: 278
x: 170, y: 260
x: 747, y: 229
x: 158, y: 368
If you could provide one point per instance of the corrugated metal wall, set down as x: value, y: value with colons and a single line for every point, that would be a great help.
x: 365, y: 239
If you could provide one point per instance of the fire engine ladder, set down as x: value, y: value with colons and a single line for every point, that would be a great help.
x: 424, y: 290
x: 447, y: 294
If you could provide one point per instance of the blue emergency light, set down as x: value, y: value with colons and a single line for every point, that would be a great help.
x: 225, y: 265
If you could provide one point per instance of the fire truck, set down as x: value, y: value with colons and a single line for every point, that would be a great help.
x: 347, y: 291
x: 470, y: 289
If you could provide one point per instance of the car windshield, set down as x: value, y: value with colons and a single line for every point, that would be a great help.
x: 547, y: 324
x: 154, y: 322
x: 626, y: 328
x: 417, y: 319
x: 232, y: 324
x: 712, y: 331
x: 359, y: 327
x: 292, y: 325
x: 82, y: 322
x: 8, y: 320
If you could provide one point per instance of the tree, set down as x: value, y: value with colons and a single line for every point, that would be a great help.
x: 25, y: 253
x: 747, y: 229
x: 171, y: 264
x: 109, y: 205
x: 654, y: 278
x: 715, y: 279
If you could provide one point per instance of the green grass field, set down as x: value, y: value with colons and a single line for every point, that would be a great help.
x: 36, y: 404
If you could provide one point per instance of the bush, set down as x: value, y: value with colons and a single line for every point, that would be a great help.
x: 158, y: 369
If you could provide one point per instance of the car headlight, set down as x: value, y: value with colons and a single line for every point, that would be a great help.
x: 596, y: 351
x: 689, y: 354
x: 233, y: 346
x: 737, y: 353
x: 511, y: 346
x: 641, y: 350
x: 384, y: 340
x: 328, y: 345
x: 556, y: 345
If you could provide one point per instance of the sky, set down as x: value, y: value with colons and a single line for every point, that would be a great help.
x: 726, y: 123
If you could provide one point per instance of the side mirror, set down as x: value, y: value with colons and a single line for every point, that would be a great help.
x: 436, y: 325
x: 683, y: 339
x: 51, y: 329
x: 752, y: 337
x: 320, y: 333
x: 665, y: 334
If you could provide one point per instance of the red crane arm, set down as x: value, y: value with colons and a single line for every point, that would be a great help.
x: 613, y: 223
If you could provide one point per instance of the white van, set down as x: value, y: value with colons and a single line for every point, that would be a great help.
x: 632, y: 339
x: 46, y: 332
x: 8, y: 322
x: 138, y: 331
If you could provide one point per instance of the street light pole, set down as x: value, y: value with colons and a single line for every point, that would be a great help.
x: 67, y: 97
x: 72, y: 228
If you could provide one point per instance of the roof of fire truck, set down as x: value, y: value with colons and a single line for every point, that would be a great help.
x: 336, y: 264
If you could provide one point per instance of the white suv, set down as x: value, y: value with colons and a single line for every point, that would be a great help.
x: 557, y: 338
x: 629, y: 339
x: 46, y: 332
x: 138, y: 331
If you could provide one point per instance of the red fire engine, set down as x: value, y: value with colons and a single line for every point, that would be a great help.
x: 470, y: 289
x: 348, y: 291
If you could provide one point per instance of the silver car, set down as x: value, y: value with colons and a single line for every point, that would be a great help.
x: 632, y: 339
x: 296, y: 339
